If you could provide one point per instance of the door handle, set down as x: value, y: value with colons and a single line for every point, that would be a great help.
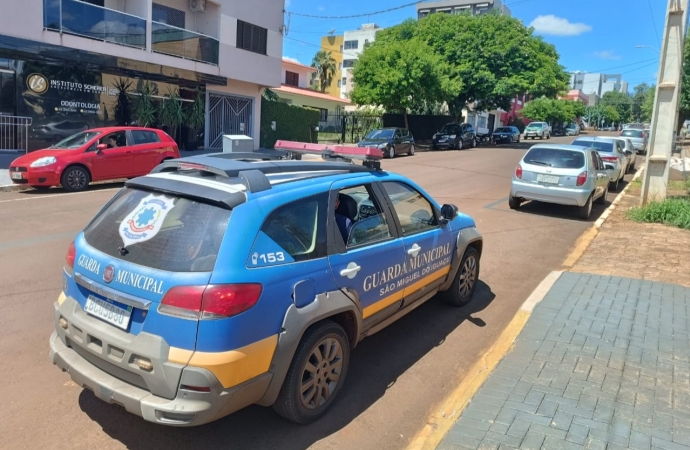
x: 350, y: 271
x: 414, y: 250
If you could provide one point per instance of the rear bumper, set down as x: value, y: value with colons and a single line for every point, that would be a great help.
x: 550, y: 194
x: 90, y: 368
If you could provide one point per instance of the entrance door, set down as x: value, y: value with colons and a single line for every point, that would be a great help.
x: 228, y: 115
x: 492, y: 122
x: 8, y: 123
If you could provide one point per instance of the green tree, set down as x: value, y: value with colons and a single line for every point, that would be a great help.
x: 641, y: 91
x: 577, y: 109
x: 684, y: 103
x: 325, y: 69
x: 397, y: 75
x: 648, y: 105
x: 492, y: 58
x: 549, y: 110
x: 621, y: 102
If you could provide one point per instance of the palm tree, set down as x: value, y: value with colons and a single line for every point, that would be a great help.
x: 325, y: 68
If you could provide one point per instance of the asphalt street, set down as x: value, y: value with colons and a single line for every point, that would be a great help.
x: 396, y: 376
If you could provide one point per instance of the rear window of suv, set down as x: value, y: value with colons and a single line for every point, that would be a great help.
x: 602, y: 146
x: 552, y: 157
x: 632, y: 133
x: 159, y: 231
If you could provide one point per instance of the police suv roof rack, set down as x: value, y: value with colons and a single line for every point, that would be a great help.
x: 254, y: 180
x: 370, y: 157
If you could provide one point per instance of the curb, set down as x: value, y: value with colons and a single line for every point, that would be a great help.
x: 588, y: 236
x: 448, y: 411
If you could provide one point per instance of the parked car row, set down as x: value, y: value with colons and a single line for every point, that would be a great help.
x: 577, y: 174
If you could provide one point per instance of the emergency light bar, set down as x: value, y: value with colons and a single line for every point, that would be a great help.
x: 369, y: 155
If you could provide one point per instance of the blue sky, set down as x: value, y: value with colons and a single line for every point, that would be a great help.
x: 590, y: 35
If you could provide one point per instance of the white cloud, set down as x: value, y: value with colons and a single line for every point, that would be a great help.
x: 558, y: 26
x: 606, y: 54
x: 294, y: 60
x: 321, y: 8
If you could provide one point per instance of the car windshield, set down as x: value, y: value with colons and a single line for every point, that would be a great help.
x: 380, y: 134
x: 553, y: 157
x: 632, y: 133
x: 601, y: 146
x: 449, y: 128
x: 503, y: 130
x: 76, y: 140
x: 185, y: 236
x: 535, y: 125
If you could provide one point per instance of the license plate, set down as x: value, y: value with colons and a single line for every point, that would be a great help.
x: 108, y: 312
x: 548, y: 179
x: 16, y: 175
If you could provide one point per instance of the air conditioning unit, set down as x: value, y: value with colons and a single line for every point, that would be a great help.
x: 198, y: 6
x: 237, y: 143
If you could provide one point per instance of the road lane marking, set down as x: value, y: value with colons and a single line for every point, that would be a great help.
x: 441, y: 421
x: 51, y: 196
x: 37, y: 240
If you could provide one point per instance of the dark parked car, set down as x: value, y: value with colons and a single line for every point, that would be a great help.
x: 392, y: 141
x: 505, y: 134
x: 455, y: 136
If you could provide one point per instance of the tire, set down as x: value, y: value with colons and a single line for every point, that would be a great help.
x: 391, y: 152
x: 75, y: 179
x: 615, y: 185
x: 602, y: 200
x: 541, y: 138
x: 583, y: 212
x: 290, y: 403
x: 514, y: 202
x: 411, y: 152
x: 548, y: 136
x: 518, y: 139
x: 460, y: 144
x: 465, y: 282
x: 474, y: 143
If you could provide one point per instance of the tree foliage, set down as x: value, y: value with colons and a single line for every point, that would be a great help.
x: 640, y: 94
x: 325, y: 68
x: 601, y: 114
x: 398, y: 75
x: 684, y: 104
x: 492, y: 58
x: 553, y: 111
x: 619, y: 101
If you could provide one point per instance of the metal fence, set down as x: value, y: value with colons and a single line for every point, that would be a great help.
x: 14, y: 133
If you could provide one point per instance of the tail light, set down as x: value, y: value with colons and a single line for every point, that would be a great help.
x: 582, y: 178
x: 609, y: 158
x: 210, y: 302
x: 69, y: 259
x: 518, y: 172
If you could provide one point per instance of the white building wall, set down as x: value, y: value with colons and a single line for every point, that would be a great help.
x: 366, y: 34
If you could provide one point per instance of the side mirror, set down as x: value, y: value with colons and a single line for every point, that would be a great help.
x: 608, y: 167
x: 448, y: 211
x: 101, y: 147
x: 628, y: 152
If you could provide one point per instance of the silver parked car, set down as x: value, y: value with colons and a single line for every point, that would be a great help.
x: 562, y: 174
x: 541, y: 130
x: 629, y: 151
x: 638, y: 138
x: 611, y: 152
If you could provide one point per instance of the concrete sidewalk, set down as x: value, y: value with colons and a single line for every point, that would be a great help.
x: 602, y: 363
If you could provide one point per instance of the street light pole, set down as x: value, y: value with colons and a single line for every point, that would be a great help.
x: 647, y: 46
x: 666, y: 100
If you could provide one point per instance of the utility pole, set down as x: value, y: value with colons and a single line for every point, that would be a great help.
x: 666, y: 99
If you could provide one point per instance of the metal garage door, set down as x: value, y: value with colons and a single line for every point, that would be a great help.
x: 228, y: 115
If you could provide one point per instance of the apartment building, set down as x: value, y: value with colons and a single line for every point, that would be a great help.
x: 334, y: 44
x: 597, y: 83
x: 461, y: 7
x: 61, y: 59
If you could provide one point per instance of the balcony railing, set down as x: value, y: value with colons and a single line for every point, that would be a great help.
x: 183, y: 43
x: 87, y: 20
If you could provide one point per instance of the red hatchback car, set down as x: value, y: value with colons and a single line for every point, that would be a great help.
x: 94, y: 155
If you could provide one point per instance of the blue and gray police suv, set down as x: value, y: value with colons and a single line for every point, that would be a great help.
x: 220, y: 281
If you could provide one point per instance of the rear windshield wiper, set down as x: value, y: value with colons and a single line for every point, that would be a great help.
x: 539, y: 163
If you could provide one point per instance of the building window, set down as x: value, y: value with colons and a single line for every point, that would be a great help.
x: 348, y: 63
x: 340, y: 83
x: 167, y: 15
x: 344, y: 83
x: 251, y: 37
x: 443, y: 11
x: 366, y: 41
x: 291, y: 78
x: 481, y: 122
x: 340, y: 66
x: 324, y: 115
x: 423, y: 14
x: 482, y: 8
x: 351, y: 45
x: 462, y: 10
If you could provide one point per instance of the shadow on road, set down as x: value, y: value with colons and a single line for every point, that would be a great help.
x: 376, y: 365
